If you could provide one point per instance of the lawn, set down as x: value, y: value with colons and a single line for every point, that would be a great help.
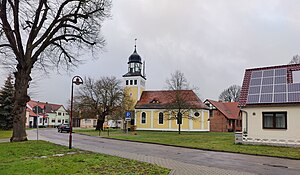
x: 200, y: 140
x: 40, y: 157
x: 5, y: 134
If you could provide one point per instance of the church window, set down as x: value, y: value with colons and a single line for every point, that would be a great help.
x: 161, y: 118
x: 131, y: 82
x: 143, y: 119
x: 135, y: 82
x: 126, y: 82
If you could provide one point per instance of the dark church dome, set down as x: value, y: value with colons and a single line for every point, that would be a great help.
x: 135, y: 57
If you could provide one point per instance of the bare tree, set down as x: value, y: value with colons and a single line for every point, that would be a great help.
x: 178, y: 97
x: 295, y: 59
x: 100, y: 98
x: 42, y: 33
x: 177, y: 81
x: 231, y: 94
x: 125, y: 105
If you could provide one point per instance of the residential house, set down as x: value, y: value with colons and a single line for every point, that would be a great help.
x: 224, y: 116
x: 154, y: 112
x: 47, y: 114
x: 270, y: 105
x: 35, y: 115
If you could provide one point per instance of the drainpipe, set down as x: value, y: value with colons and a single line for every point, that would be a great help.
x: 246, y: 129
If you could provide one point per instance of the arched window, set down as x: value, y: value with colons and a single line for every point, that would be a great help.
x: 143, y: 120
x: 161, y: 118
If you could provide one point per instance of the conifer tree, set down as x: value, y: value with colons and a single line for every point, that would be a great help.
x: 6, y: 104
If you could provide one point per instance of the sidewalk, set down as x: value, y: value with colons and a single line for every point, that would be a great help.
x: 4, y: 140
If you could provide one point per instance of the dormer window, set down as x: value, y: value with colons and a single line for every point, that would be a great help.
x: 155, y: 100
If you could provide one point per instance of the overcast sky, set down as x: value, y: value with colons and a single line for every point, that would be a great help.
x: 211, y: 41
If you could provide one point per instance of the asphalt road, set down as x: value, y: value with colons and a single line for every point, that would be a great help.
x: 234, y: 163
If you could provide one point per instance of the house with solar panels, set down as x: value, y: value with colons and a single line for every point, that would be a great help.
x: 270, y: 105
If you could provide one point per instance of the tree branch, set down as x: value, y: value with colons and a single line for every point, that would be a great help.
x: 8, y: 31
x: 15, y: 8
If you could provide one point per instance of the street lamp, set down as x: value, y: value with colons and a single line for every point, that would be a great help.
x: 77, y: 80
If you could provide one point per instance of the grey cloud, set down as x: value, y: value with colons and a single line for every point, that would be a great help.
x: 211, y: 41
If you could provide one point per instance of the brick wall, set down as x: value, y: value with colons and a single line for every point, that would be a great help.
x: 218, y: 122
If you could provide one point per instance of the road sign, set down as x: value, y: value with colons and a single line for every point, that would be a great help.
x: 127, y: 116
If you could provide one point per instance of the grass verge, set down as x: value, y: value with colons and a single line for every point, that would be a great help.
x: 40, y: 157
x: 200, y: 140
x: 5, y: 134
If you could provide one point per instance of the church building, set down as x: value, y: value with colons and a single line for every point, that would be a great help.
x: 153, y: 110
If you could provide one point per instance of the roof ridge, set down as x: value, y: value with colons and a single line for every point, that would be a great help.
x: 40, y: 102
x: 223, y: 107
x: 274, y: 66
x: 168, y: 90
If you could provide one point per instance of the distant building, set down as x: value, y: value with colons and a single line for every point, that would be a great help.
x: 270, y: 104
x: 45, y: 114
x: 88, y: 122
x: 224, y: 116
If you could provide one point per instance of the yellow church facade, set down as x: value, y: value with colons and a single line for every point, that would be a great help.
x: 153, y: 121
x: 151, y: 110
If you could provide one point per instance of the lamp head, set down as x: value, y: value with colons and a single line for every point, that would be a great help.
x: 78, y: 81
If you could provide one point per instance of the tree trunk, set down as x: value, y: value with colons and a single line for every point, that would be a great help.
x: 22, y: 78
x: 179, y: 118
x: 100, y: 123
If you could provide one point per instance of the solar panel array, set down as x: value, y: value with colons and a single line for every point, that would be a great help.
x: 270, y: 86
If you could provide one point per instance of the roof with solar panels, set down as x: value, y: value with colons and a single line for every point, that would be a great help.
x: 271, y: 85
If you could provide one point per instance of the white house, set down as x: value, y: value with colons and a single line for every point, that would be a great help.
x: 45, y: 114
x: 270, y: 105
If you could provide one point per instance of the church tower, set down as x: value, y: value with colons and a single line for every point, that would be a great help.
x: 135, y: 79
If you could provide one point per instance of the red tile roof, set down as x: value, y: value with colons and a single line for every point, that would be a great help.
x: 162, y: 99
x: 48, y: 107
x: 247, y: 78
x: 31, y: 113
x: 229, y: 109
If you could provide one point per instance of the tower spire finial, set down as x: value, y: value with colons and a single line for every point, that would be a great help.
x: 135, y: 44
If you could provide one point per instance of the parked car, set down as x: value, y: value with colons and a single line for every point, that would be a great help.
x: 62, y: 128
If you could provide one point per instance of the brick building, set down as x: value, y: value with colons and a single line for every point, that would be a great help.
x: 224, y: 116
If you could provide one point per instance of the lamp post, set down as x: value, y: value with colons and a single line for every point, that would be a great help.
x: 77, y: 80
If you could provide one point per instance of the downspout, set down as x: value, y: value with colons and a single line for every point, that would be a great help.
x: 246, y: 128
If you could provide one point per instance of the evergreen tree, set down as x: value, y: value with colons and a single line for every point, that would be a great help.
x: 6, y: 104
